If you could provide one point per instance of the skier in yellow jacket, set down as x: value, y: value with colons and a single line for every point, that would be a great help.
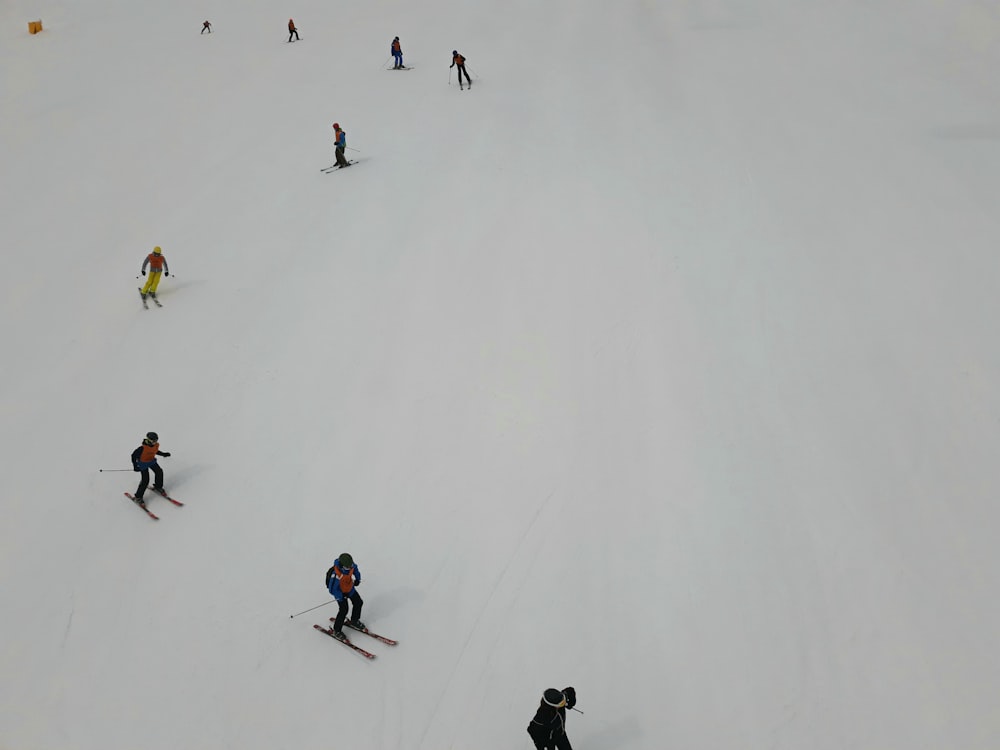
x: 157, y: 265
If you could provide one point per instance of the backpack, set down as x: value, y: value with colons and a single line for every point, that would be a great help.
x: 329, y: 575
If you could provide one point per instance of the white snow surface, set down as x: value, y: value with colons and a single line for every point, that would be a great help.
x: 663, y: 363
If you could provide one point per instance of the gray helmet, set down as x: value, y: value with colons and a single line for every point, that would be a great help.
x: 345, y: 560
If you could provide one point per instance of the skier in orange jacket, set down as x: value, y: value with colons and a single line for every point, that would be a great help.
x: 341, y: 581
x: 292, y: 30
x: 397, y: 53
x: 157, y: 266
x: 144, y: 459
x: 340, y: 143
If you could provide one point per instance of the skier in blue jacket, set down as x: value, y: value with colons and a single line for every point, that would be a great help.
x: 340, y: 143
x: 341, y: 581
x: 397, y: 52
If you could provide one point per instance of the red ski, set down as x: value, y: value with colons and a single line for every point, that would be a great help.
x: 142, y: 505
x: 366, y: 631
x: 163, y: 494
x: 329, y: 632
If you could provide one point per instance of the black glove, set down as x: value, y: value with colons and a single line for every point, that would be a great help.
x: 165, y: 455
x: 143, y: 273
x: 166, y: 273
x: 135, y: 468
x: 570, y: 694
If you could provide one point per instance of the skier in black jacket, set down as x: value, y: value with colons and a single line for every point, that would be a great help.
x: 548, y: 728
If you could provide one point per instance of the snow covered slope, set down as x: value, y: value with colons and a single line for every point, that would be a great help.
x: 661, y: 363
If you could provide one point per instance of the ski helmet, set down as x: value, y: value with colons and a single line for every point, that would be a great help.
x: 554, y: 697
x: 345, y: 560
x: 156, y: 250
x: 336, y: 126
x: 454, y: 52
x: 152, y: 436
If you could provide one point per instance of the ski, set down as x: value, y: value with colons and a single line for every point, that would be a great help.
x: 329, y: 632
x: 405, y: 67
x: 164, y: 495
x: 135, y: 500
x: 145, y: 304
x: 366, y: 631
x: 335, y: 167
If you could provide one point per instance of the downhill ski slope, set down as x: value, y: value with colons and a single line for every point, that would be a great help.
x: 662, y: 363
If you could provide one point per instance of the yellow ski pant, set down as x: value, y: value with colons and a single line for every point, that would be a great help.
x: 152, y: 282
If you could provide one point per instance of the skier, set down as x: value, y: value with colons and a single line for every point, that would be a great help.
x: 341, y: 144
x: 292, y: 30
x: 457, y: 59
x: 206, y: 27
x: 144, y: 459
x: 341, y: 580
x: 548, y: 728
x: 157, y: 264
x: 397, y: 53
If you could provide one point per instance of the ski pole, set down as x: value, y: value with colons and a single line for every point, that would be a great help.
x: 310, y: 609
x: 386, y: 60
x: 449, y: 76
x: 353, y: 149
x: 115, y: 469
x: 576, y: 709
